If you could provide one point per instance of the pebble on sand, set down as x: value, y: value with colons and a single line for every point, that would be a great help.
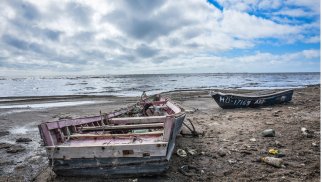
x: 15, y: 149
x: 221, y: 153
x: 268, y: 133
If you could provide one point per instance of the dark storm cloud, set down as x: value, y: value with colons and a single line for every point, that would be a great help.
x: 139, y: 22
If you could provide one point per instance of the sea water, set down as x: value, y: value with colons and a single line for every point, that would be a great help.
x: 133, y: 85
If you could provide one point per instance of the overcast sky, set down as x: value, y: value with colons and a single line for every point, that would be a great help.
x: 145, y: 36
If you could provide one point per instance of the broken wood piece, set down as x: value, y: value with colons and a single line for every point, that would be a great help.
x: 115, y: 135
x: 121, y: 127
x: 138, y: 120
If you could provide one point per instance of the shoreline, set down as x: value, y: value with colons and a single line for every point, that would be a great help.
x: 80, y: 96
x: 225, y: 152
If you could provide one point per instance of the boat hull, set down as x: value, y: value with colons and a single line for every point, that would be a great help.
x: 230, y: 101
x: 111, y: 167
x: 118, y: 166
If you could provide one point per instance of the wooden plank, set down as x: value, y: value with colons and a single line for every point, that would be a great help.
x: 124, y: 120
x: 137, y: 120
x: 45, y: 134
x: 173, y: 107
x: 121, y: 127
x: 105, y: 151
x: 168, y: 127
x: 155, y: 102
x: 115, y: 135
x: 79, y: 121
x: 73, y: 122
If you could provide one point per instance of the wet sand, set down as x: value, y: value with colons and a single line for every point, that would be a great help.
x: 227, y: 151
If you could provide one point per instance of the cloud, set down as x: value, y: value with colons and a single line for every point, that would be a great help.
x: 127, y: 36
x: 314, y: 39
x: 146, y: 20
x: 310, y: 54
x: 243, y: 25
x: 145, y: 51
x: 313, y: 5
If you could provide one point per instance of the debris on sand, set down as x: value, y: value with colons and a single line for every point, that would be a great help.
x: 276, y: 162
x: 268, y: 133
x: 232, y: 161
x: 269, y: 123
x: 276, y: 113
x: 307, y: 133
x: 277, y: 153
x: 192, y: 151
x: 181, y: 153
x: 252, y: 139
x: 273, y: 151
x: 267, y: 108
x: 25, y: 140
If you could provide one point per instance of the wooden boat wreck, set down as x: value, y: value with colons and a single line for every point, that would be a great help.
x: 230, y: 101
x: 137, y: 140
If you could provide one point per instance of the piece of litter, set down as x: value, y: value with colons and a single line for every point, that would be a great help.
x: 181, y: 153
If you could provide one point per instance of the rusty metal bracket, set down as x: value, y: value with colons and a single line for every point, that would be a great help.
x: 193, y: 131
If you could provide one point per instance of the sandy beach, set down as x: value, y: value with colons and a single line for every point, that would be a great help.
x: 228, y: 150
